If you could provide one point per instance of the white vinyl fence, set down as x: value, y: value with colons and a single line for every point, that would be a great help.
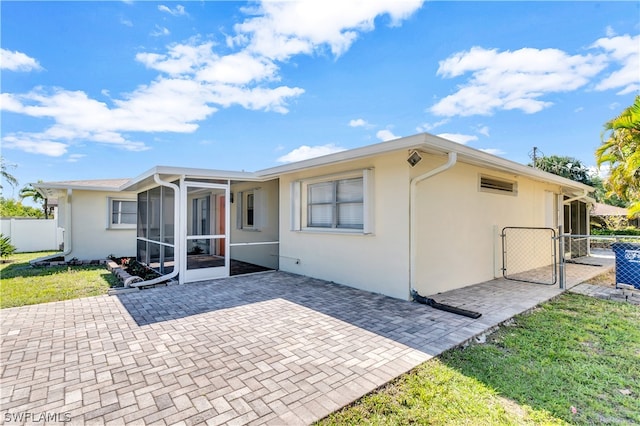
x: 29, y: 234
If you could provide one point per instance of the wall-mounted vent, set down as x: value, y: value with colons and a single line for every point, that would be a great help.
x: 492, y: 184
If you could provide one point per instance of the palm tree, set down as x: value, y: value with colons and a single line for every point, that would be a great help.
x: 30, y: 192
x: 621, y: 150
x: 5, y: 173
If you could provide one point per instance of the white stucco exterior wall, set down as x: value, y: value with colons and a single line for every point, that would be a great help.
x: 91, y: 237
x: 459, y: 226
x: 266, y: 228
x: 378, y: 262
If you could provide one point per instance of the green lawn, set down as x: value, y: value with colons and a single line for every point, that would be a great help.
x: 21, y: 284
x: 574, y: 360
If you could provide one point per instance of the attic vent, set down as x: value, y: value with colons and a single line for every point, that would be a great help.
x: 492, y: 184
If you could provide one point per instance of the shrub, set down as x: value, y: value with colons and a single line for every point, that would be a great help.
x: 6, y: 248
x: 626, y: 231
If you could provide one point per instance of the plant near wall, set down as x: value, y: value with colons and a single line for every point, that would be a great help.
x: 6, y: 248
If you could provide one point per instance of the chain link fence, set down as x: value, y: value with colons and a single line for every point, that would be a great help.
x: 599, y: 250
x: 529, y: 254
x: 546, y: 256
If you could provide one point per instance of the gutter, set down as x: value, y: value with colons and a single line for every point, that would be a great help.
x: 67, y: 234
x: 453, y: 158
x: 585, y: 194
x: 176, y: 233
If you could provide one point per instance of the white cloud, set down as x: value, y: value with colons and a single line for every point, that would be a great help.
x: 622, y: 50
x: 386, y: 135
x: 180, y: 59
x: 601, y: 172
x: 305, y: 152
x: 483, y: 130
x: 177, y: 11
x: 197, y: 78
x: 427, y: 127
x: 160, y: 31
x: 507, y: 80
x: 126, y: 22
x: 74, y: 158
x: 239, y: 68
x: 512, y: 79
x: 17, y: 61
x: 493, y: 151
x: 610, y: 32
x: 458, y: 137
x: 34, y: 145
x: 358, y: 122
x: 283, y: 29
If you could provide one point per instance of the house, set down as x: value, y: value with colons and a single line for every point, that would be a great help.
x: 606, y: 216
x: 96, y: 218
x: 419, y: 212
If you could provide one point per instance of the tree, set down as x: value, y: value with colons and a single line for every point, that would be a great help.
x: 30, y: 192
x: 5, y: 173
x: 620, y: 149
x: 568, y: 167
x: 12, y: 208
x: 603, y: 196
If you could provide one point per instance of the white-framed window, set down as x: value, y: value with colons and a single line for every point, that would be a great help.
x: 497, y: 185
x: 336, y: 203
x: 122, y: 213
x: 250, y: 209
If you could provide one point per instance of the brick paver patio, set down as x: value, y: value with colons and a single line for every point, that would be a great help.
x: 272, y: 348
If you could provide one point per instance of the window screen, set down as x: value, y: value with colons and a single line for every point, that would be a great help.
x: 336, y: 204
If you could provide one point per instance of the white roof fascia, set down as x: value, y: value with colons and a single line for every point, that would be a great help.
x: 192, y: 173
x: 428, y: 143
x: 348, y: 155
x: 45, y: 186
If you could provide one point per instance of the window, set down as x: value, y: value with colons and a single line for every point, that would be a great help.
x: 497, y: 185
x: 251, y: 209
x: 336, y: 204
x: 123, y: 214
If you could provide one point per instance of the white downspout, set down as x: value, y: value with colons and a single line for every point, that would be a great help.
x: 453, y: 158
x: 67, y: 234
x: 176, y: 235
x: 584, y: 195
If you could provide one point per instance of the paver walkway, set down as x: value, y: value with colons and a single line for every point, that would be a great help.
x: 273, y: 348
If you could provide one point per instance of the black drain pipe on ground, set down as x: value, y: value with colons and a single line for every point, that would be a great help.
x: 443, y: 307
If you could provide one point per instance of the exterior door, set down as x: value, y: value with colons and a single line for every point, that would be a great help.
x: 207, y: 222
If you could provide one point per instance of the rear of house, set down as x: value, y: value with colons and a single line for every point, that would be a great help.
x: 443, y: 234
x: 419, y: 213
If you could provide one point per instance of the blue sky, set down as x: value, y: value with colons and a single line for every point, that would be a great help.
x: 96, y: 90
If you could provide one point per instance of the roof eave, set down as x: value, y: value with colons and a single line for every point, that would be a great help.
x: 171, y: 172
x: 431, y: 144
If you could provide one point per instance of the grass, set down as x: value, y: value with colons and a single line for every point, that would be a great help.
x: 573, y: 360
x: 21, y: 284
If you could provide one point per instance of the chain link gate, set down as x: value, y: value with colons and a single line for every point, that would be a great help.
x: 529, y: 254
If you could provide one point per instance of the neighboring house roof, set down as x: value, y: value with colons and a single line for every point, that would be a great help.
x: 600, y: 209
x: 423, y: 142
